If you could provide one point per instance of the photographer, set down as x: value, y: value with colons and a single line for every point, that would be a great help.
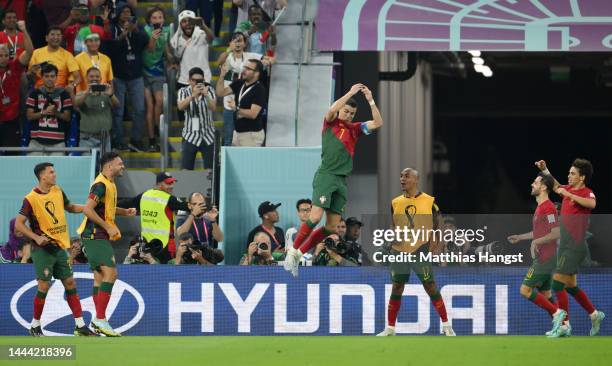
x: 95, y: 105
x: 191, y: 251
x: 17, y: 249
x: 201, y: 223
x: 76, y: 254
x: 258, y: 252
x: 353, y: 232
x: 142, y: 252
x: 333, y: 251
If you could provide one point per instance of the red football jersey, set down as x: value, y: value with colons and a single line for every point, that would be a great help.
x: 574, y: 217
x: 544, y: 220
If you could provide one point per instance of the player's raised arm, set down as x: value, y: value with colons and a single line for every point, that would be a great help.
x: 335, y: 108
x: 541, y: 164
x: 377, y: 121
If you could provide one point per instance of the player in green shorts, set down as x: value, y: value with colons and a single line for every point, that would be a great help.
x: 339, y: 137
x: 44, y: 209
x: 545, y: 232
x: 578, y: 201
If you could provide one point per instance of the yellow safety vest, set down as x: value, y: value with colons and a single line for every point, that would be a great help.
x: 154, y: 223
x: 110, y: 204
x: 415, y: 213
x: 49, y: 212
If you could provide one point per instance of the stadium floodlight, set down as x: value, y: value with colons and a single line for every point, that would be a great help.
x: 479, y: 68
x: 487, y: 72
x: 478, y: 60
x: 474, y: 53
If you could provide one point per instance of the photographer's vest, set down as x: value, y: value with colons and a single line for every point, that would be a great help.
x: 415, y: 213
x: 49, y: 211
x: 154, y: 223
x: 110, y: 204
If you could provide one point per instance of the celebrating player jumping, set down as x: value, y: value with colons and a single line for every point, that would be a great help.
x: 340, y: 135
x: 578, y: 201
x: 44, y: 208
x: 537, y: 282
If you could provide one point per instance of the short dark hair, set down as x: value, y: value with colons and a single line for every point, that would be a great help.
x: 585, y: 168
x: 108, y: 157
x: 93, y: 68
x: 39, y: 168
x: 254, y: 6
x: 238, y: 33
x: 152, y: 10
x: 258, y: 65
x: 196, y: 71
x: 48, y: 68
x: 352, y: 103
x: 9, y: 11
x: 185, y: 236
x: 302, y: 201
x: 548, y: 181
x: 52, y: 28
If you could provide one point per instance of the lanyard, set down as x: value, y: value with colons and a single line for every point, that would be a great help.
x: 2, y: 81
x: 271, y: 236
x: 198, y: 231
x: 243, y: 92
x: 13, y: 43
x: 127, y: 38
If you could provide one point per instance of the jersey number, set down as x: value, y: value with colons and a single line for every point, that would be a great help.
x: 341, y: 133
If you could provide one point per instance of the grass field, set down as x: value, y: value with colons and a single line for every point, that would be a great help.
x: 293, y: 351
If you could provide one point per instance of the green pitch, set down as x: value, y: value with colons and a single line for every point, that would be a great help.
x: 335, y: 351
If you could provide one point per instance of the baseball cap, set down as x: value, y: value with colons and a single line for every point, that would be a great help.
x: 186, y: 14
x: 266, y: 207
x: 353, y: 221
x: 165, y: 177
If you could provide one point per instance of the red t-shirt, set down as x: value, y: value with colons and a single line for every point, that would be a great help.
x: 544, y: 220
x: 14, y: 43
x: 574, y: 217
x: 10, y: 79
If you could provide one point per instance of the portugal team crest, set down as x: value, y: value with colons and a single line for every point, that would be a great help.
x: 322, y: 199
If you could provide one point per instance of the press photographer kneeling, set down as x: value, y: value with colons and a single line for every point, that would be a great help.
x: 333, y: 251
x: 143, y: 252
x: 258, y: 252
x: 191, y: 251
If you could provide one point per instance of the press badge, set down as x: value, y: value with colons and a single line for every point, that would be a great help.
x: 131, y: 57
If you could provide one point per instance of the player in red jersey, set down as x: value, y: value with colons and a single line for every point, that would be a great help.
x: 578, y: 201
x: 537, y: 282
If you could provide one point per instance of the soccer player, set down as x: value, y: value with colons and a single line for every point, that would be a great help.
x: 578, y: 201
x: 44, y: 208
x: 536, y: 285
x: 414, y: 209
x: 329, y: 195
x: 97, y: 231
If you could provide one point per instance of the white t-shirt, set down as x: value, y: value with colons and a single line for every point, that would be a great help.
x: 194, y: 53
x: 235, y: 67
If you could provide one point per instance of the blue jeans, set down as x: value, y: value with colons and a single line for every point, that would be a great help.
x: 189, y: 151
x: 135, y: 88
x: 207, y: 8
x: 228, y: 127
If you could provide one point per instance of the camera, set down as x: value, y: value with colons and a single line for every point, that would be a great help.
x: 98, y: 88
x: 341, y: 247
x: 157, y: 26
x: 493, y: 248
x: 154, y: 247
x: 207, y: 253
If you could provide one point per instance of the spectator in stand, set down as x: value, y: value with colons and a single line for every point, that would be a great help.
x: 248, y: 105
x: 201, y: 222
x: 303, y: 207
x: 268, y: 6
x: 111, y: 5
x: 11, y: 36
x: 197, y: 101
x: 57, y: 12
x: 207, y: 9
x: 155, y: 70
x: 63, y: 60
x: 79, y: 28
x: 11, y: 71
x: 96, y: 112
x: 18, y: 247
x: 262, y: 35
x: 258, y: 251
x: 234, y: 60
x: 92, y: 57
x: 48, y: 110
x: 269, y: 216
x: 126, y: 53
x: 190, y: 47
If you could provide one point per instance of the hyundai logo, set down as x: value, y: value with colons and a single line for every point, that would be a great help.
x: 57, y: 308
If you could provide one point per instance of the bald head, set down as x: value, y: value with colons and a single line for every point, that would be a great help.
x: 409, y: 180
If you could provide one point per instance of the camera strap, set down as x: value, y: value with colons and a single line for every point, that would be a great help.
x: 271, y: 236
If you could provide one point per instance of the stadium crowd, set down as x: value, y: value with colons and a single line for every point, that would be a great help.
x: 72, y: 70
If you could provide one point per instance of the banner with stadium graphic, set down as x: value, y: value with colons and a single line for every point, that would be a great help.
x: 230, y: 300
x: 441, y: 25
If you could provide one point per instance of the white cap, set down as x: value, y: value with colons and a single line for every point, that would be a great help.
x: 186, y: 14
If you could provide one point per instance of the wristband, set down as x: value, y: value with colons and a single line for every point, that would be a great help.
x: 372, y: 103
x: 546, y: 171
